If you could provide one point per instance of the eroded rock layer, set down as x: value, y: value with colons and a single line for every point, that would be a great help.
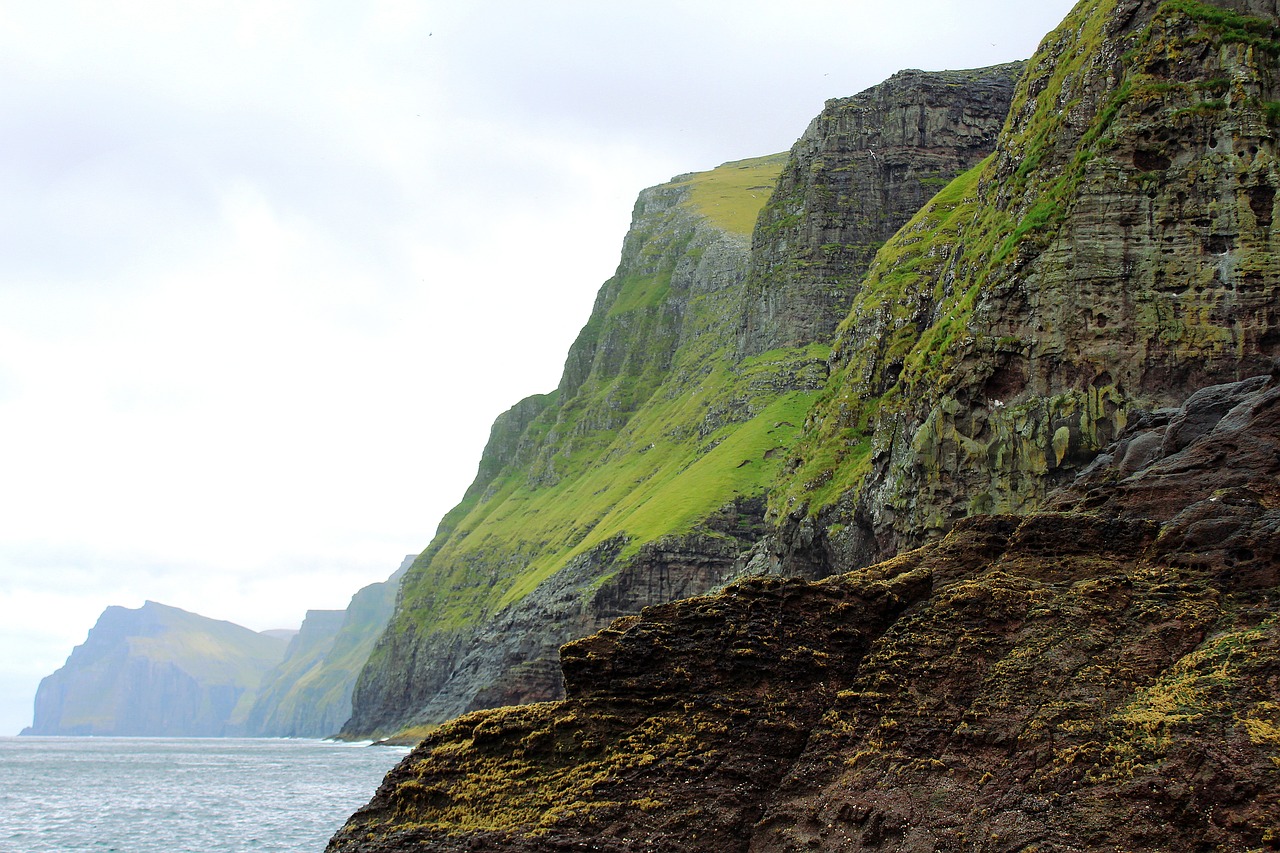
x: 1054, y: 682
x: 859, y: 172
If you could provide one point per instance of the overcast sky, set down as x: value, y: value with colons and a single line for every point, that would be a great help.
x: 269, y: 269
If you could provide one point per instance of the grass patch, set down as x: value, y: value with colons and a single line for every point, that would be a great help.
x: 642, y: 291
x: 1229, y: 27
x: 732, y: 195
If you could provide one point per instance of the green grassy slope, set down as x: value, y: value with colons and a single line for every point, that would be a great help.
x: 640, y: 450
x: 656, y: 426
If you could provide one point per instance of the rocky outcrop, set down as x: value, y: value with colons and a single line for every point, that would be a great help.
x: 859, y: 173
x: 1048, y: 497
x: 308, y: 694
x: 1115, y: 254
x: 156, y: 671
x: 1058, y: 681
x: 642, y: 478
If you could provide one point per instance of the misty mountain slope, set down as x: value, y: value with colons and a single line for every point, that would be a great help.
x: 156, y: 671
x: 308, y: 694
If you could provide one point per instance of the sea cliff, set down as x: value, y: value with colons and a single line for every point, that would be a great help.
x: 1008, y: 580
x: 156, y: 671
x: 644, y: 477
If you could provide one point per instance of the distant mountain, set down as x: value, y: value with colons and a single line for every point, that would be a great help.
x: 308, y: 694
x: 156, y: 671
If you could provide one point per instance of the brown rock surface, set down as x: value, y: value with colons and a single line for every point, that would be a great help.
x: 1056, y: 682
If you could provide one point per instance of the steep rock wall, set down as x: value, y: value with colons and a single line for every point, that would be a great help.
x: 1113, y: 255
x: 1057, y: 681
x: 859, y: 172
x: 555, y: 529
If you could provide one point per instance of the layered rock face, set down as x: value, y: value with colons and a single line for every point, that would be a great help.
x: 642, y: 478
x: 1105, y: 678
x: 1041, y: 381
x: 156, y: 672
x: 1115, y: 254
x: 860, y: 171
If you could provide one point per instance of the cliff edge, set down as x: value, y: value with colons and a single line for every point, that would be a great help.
x: 1103, y: 678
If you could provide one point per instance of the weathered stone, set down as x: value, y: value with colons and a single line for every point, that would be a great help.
x: 1051, y: 681
x: 1115, y: 255
x: 858, y: 173
x: 1060, y: 681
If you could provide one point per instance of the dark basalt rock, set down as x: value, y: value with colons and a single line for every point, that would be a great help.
x: 1116, y: 254
x: 1060, y: 681
x: 859, y: 172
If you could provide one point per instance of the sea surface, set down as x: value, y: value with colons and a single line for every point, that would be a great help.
x: 179, y: 795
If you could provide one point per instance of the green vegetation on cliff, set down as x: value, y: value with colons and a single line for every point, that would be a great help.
x: 655, y: 428
x: 642, y: 451
x: 1116, y: 245
x: 643, y: 476
x: 1065, y: 323
x: 733, y: 195
x: 1113, y: 252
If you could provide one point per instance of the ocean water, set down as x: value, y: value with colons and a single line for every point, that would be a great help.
x: 178, y: 795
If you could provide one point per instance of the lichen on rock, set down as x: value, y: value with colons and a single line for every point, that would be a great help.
x: 1100, y: 678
